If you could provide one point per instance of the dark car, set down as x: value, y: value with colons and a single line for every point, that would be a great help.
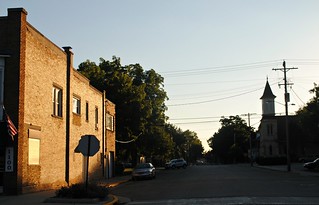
x: 144, y: 170
x: 312, y: 165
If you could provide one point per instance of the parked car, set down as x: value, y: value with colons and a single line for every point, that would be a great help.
x: 144, y: 170
x: 312, y: 165
x: 176, y: 163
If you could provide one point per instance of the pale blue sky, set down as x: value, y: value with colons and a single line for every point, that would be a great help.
x: 215, y: 56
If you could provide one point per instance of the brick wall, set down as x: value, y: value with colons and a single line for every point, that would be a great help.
x: 36, y: 65
x: 45, y: 67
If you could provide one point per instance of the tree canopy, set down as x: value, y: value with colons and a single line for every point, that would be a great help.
x: 231, y: 142
x: 309, y: 117
x: 140, y: 98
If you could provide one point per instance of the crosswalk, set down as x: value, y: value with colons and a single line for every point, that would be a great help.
x: 234, y: 201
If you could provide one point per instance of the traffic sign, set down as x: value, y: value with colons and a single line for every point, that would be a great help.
x: 89, y: 145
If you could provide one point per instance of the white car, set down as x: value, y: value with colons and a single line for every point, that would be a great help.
x: 176, y: 163
x: 144, y: 170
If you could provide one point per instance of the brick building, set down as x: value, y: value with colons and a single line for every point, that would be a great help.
x: 52, y: 106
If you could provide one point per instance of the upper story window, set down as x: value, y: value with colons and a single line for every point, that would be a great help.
x: 87, y: 111
x: 269, y: 130
x: 76, y: 105
x: 57, y: 101
x: 96, y: 117
x: 109, y: 122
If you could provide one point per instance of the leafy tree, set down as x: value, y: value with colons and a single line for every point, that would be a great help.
x: 140, y: 112
x: 309, y: 117
x: 196, y: 149
x: 186, y: 144
x: 231, y: 142
x: 176, y: 134
x: 140, y: 102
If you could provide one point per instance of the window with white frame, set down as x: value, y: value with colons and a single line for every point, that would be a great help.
x: 57, y: 101
x: 109, y: 122
x: 76, y: 105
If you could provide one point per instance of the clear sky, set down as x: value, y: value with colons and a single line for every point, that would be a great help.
x: 215, y: 56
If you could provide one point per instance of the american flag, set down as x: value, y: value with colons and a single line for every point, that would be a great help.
x: 12, y: 130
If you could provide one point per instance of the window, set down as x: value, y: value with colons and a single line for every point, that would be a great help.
x: 96, y: 117
x: 87, y: 111
x: 109, y: 122
x: 34, y: 151
x: 269, y: 130
x: 270, y: 150
x: 34, y: 147
x: 76, y: 105
x: 57, y: 101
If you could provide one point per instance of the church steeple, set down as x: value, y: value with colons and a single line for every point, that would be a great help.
x: 268, y: 101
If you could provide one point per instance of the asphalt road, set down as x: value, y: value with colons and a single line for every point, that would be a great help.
x: 227, y: 182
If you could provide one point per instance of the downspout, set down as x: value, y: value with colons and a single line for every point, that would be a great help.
x: 103, y: 134
x: 69, y: 59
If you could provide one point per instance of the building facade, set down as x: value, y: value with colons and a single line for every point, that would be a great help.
x: 272, y: 132
x: 52, y: 106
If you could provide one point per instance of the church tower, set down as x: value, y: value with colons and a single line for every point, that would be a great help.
x: 268, y: 101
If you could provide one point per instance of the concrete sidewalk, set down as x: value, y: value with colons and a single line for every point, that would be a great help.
x: 295, y: 168
x: 43, y: 196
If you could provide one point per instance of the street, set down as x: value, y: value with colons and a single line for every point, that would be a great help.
x: 240, y: 182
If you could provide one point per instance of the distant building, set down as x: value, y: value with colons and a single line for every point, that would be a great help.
x: 272, y: 132
x: 52, y: 106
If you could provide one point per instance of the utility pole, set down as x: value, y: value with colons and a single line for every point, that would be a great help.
x: 287, y: 99
x: 250, y: 140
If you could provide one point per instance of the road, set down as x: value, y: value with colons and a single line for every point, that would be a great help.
x: 205, y: 184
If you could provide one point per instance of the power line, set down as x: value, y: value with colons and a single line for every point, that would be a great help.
x: 220, y: 69
x: 212, y: 82
x: 211, y: 117
x: 209, y: 94
x: 200, y: 122
x: 238, y: 67
x: 223, y: 67
x: 218, y: 99
x: 193, y: 118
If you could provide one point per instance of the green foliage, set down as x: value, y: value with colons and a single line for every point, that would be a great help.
x: 231, y: 142
x: 77, y: 191
x: 140, y: 97
x: 309, y: 116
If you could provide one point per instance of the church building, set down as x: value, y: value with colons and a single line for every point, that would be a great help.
x: 272, y: 131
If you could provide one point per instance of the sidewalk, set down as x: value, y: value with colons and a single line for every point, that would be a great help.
x: 40, y: 197
x: 295, y: 168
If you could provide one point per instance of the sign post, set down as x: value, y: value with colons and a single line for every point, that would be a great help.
x: 88, y: 145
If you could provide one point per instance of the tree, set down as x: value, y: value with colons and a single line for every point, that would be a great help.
x: 186, y: 144
x: 308, y: 118
x: 140, y: 111
x: 140, y: 105
x: 231, y: 142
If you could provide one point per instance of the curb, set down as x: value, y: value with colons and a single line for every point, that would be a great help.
x: 115, y: 200
x: 114, y: 184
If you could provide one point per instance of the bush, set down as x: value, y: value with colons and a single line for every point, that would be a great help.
x: 78, y: 191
